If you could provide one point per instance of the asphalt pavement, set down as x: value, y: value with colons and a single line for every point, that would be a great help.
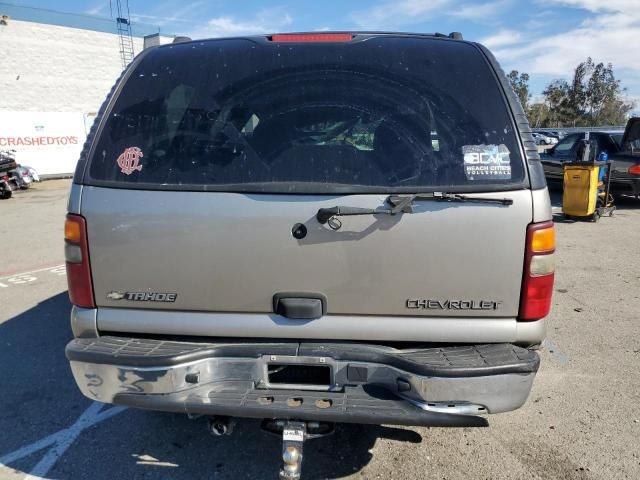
x: 582, y: 420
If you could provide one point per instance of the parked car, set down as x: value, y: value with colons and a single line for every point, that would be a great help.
x: 552, y: 134
x: 542, y: 139
x: 32, y: 173
x: 22, y: 177
x: 7, y: 166
x: 622, y: 148
x: 304, y: 229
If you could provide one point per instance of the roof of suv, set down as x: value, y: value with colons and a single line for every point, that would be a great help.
x: 318, y: 35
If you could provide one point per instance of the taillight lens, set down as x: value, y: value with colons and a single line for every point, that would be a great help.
x: 539, y: 272
x: 312, y: 37
x: 634, y: 169
x: 76, y: 255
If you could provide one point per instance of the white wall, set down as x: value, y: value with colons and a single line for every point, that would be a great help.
x: 47, y: 69
x: 50, y: 142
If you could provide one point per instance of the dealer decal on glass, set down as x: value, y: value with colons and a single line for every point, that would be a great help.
x: 486, y: 162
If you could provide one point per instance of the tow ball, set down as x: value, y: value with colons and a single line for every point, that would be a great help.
x: 294, y: 433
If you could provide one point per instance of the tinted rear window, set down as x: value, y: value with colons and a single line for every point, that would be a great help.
x: 384, y: 114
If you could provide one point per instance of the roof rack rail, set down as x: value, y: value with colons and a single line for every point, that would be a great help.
x: 452, y: 35
x: 181, y: 39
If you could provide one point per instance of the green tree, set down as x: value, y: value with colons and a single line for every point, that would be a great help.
x: 594, y: 97
x: 539, y: 115
x: 520, y: 84
x: 556, y: 97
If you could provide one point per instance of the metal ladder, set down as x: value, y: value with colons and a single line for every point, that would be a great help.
x: 123, y: 24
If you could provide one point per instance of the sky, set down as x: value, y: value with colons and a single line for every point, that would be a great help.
x: 545, y: 38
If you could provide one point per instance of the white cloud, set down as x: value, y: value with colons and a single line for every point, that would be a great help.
x: 558, y: 54
x: 393, y: 13
x: 597, y: 5
x: 172, y: 14
x: 502, y: 38
x: 266, y: 21
x: 97, y: 10
x: 609, y: 34
x: 480, y: 12
x: 390, y: 13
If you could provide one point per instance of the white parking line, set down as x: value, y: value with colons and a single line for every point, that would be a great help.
x: 22, y: 278
x: 28, y: 272
x: 41, y: 269
x: 59, y: 442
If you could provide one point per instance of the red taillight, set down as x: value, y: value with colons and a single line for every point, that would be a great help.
x: 539, y: 268
x: 634, y: 169
x: 312, y: 37
x: 77, y: 261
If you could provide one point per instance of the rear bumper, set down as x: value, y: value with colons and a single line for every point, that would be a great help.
x: 374, y: 384
x: 625, y: 185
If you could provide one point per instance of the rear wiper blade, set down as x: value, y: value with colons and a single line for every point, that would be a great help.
x: 399, y: 204
x: 446, y: 197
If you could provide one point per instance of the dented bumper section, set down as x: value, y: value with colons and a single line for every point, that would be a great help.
x: 439, y: 386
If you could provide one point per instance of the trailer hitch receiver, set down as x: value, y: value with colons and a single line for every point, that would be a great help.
x: 293, y: 436
x: 294, y: 433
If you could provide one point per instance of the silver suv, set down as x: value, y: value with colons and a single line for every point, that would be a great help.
x: 311, y: 228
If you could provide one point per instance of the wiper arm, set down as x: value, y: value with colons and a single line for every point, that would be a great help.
x: 325, y: 215
x: 446, y: 197
x: 328, y: 215
x: 399, y: 204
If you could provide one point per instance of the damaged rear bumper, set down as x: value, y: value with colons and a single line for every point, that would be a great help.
x: 439, y: 386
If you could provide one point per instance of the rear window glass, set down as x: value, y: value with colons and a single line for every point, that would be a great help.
x: 382, y: 114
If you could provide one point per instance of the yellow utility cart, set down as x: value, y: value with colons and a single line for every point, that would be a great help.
x: 586, y: 190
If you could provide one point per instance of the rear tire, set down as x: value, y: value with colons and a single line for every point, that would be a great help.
x: 6, y: 194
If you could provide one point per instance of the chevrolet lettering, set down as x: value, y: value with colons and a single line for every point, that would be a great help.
x: 429, y: 304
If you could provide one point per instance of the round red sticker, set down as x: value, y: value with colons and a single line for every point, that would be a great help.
x: 129, y: 160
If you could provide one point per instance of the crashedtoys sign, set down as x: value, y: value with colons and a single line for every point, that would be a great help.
x: 50, y: 142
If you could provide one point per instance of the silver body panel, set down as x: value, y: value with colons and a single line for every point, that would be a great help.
x: 541, y: 205
x: 339, y: 327
x: 75, y: 197
x: 226, y: 252
x: 84, y: 322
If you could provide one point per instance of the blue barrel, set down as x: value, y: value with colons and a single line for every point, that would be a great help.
x: 603, y: 157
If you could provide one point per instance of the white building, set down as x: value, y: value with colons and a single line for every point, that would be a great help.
x: 52, y: 82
